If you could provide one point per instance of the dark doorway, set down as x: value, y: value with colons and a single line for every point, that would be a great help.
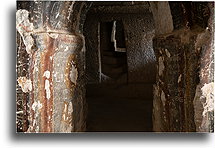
x: 120, y: 78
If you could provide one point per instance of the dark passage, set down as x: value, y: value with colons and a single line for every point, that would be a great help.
x: 113, y: 107
x: 120, y: 67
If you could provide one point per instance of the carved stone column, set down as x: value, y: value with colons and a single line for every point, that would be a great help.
x: 56, y: 67
x: 177, y: 77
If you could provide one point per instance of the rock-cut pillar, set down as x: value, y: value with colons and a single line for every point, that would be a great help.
x: 55, y: 81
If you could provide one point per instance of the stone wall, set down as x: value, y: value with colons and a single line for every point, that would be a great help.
x: 141, y: 59
x: 91, y: 33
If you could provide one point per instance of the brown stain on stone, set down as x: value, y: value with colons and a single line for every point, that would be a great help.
x: 46, y: 65
x: 70, y: 39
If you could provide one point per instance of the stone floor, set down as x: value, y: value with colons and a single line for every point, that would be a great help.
x: 119, y: 108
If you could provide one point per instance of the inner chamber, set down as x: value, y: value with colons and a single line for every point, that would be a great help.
x: 120, y: 66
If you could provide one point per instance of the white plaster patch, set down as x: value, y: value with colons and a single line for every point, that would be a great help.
x: 25, y: 84
x: 20, y: 112
x: 73, y: 74
x: 34, y: 122
x: 65, y: 107
x: 47, y: 88
x: 36, y: 69
x: 47, y: 74
x: 161, y: 66
x: 67, y: 48
x: 167, y: 53
x: 179, y: 78
x: 53, y: 35
x: 70, y: 10
x: 70, y: 109
x: 25, y: 28
x: 57, y: 15
x: 163, y: 98
x: 37, y: 129
x: 36, y: 106
x: 208, y: 93
x: 39, y: 105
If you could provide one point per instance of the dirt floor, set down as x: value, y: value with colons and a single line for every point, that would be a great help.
x: 115, y: 108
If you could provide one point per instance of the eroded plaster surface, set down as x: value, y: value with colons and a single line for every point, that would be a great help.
x: 25, y: 28
x: 25, y: 84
